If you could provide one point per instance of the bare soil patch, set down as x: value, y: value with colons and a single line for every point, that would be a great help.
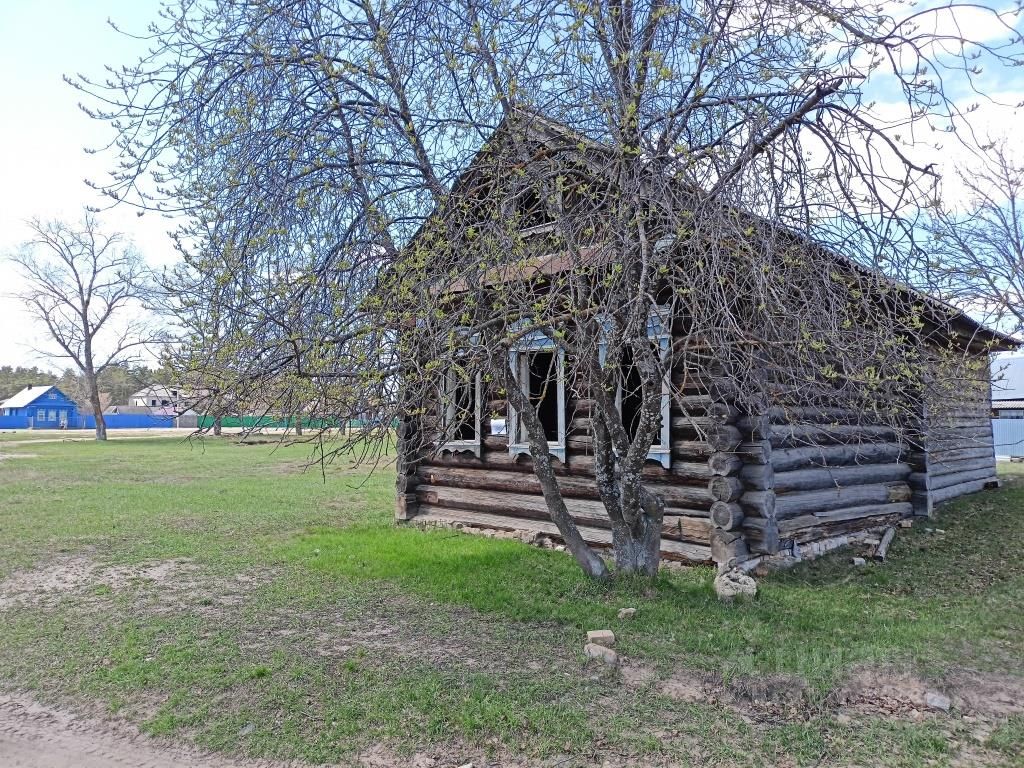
x: 76, y: 574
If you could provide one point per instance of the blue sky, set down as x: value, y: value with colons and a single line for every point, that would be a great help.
x: 43, y: 132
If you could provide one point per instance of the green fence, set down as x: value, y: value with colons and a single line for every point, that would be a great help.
x: 266, y: 422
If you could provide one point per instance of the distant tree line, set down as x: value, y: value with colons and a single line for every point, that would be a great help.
x: 119, y: 381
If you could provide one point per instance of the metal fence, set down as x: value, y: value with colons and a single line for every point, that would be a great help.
x: 1008, y: 436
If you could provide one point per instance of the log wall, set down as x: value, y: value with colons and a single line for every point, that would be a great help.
x: 956, y: 455
x: 813, y: 474
x: 499, y: 491
x: 740, y: 486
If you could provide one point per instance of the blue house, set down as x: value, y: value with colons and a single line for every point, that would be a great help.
x: 39, y: 407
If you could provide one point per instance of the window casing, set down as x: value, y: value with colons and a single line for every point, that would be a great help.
x: 41, y: 414
x: 527, y: 359
x: 659, y: 331
x: 461, y: 413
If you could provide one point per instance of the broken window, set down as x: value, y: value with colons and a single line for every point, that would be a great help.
x: 629, y: 394
x: 461, y: 406
x: 539, y: 369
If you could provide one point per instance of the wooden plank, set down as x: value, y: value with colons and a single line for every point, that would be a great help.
x: 602, y: 537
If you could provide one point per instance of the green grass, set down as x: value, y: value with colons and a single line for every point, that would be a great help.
x: 299, y: 622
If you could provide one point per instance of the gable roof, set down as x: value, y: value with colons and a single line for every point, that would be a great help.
x: 1008, y: 379
x: 27, y: 396
x: 558, y: 136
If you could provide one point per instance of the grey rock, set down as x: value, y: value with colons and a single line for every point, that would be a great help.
x: 601, y: 653
x: 734, y: 583
x: 859, y: 561
x: 936, y: 700
x: 627, y: 613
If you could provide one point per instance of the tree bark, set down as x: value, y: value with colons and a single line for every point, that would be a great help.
x: 93, y: 389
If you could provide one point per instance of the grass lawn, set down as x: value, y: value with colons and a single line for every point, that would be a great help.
x: 234, y: 596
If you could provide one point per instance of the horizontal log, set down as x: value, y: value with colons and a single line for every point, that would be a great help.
x: 814, y: 502
x: 968, y: 432
x: 940, y: 468
x: 792, y: 524
x: 686, y: 528
x: 788, y: 436
x: 600, y: 537
x: 495, y: 442
x: 831, y: 528
x: 837, y: 477
x: 686, y: 424
x: 757, y: 427
x: 517, y: 505
x: 951, y: 454
x: 935, y: 483
x: 692, y: 450
x: 726, y: 516
x: 576, y: 486
x: 955, y: 491
x: 786, y: 459
x: 759, y: 477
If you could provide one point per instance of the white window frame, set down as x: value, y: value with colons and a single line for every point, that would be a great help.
x: 519, y: 363
x: 41, y: 414
x: 448, y: 403
x: 659, y: 330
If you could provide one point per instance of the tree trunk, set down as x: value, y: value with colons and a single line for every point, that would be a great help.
x: 588, y: 560
x: 637, y: 551
x: 92, y: 385
x: 298, y: 425
x: 216, y: 427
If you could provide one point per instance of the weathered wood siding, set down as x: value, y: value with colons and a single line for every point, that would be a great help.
x: 956, y: 455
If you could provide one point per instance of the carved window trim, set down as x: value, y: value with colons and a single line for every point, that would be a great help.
x: 519, y: 362
x: 659, y: 330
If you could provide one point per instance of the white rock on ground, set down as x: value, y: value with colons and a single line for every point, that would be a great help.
x: 734, y: 583
x: 627, y: 613
x: 603, y: 637
x: 859, y: 561
x: 599, y: 652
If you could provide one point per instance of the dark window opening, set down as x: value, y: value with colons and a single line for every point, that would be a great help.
x: 543, y: 391
x: 632, y: 399
x: 632, y: 395
x: 462, y: 410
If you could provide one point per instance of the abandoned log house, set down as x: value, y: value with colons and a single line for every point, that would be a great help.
x: 793, y: 479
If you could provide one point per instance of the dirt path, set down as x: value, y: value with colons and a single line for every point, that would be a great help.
x: 34, y: 736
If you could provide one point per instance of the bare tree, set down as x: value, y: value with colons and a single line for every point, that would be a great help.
x: 632, y: 160
x: 81, y: 284
x: 978, y: 253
